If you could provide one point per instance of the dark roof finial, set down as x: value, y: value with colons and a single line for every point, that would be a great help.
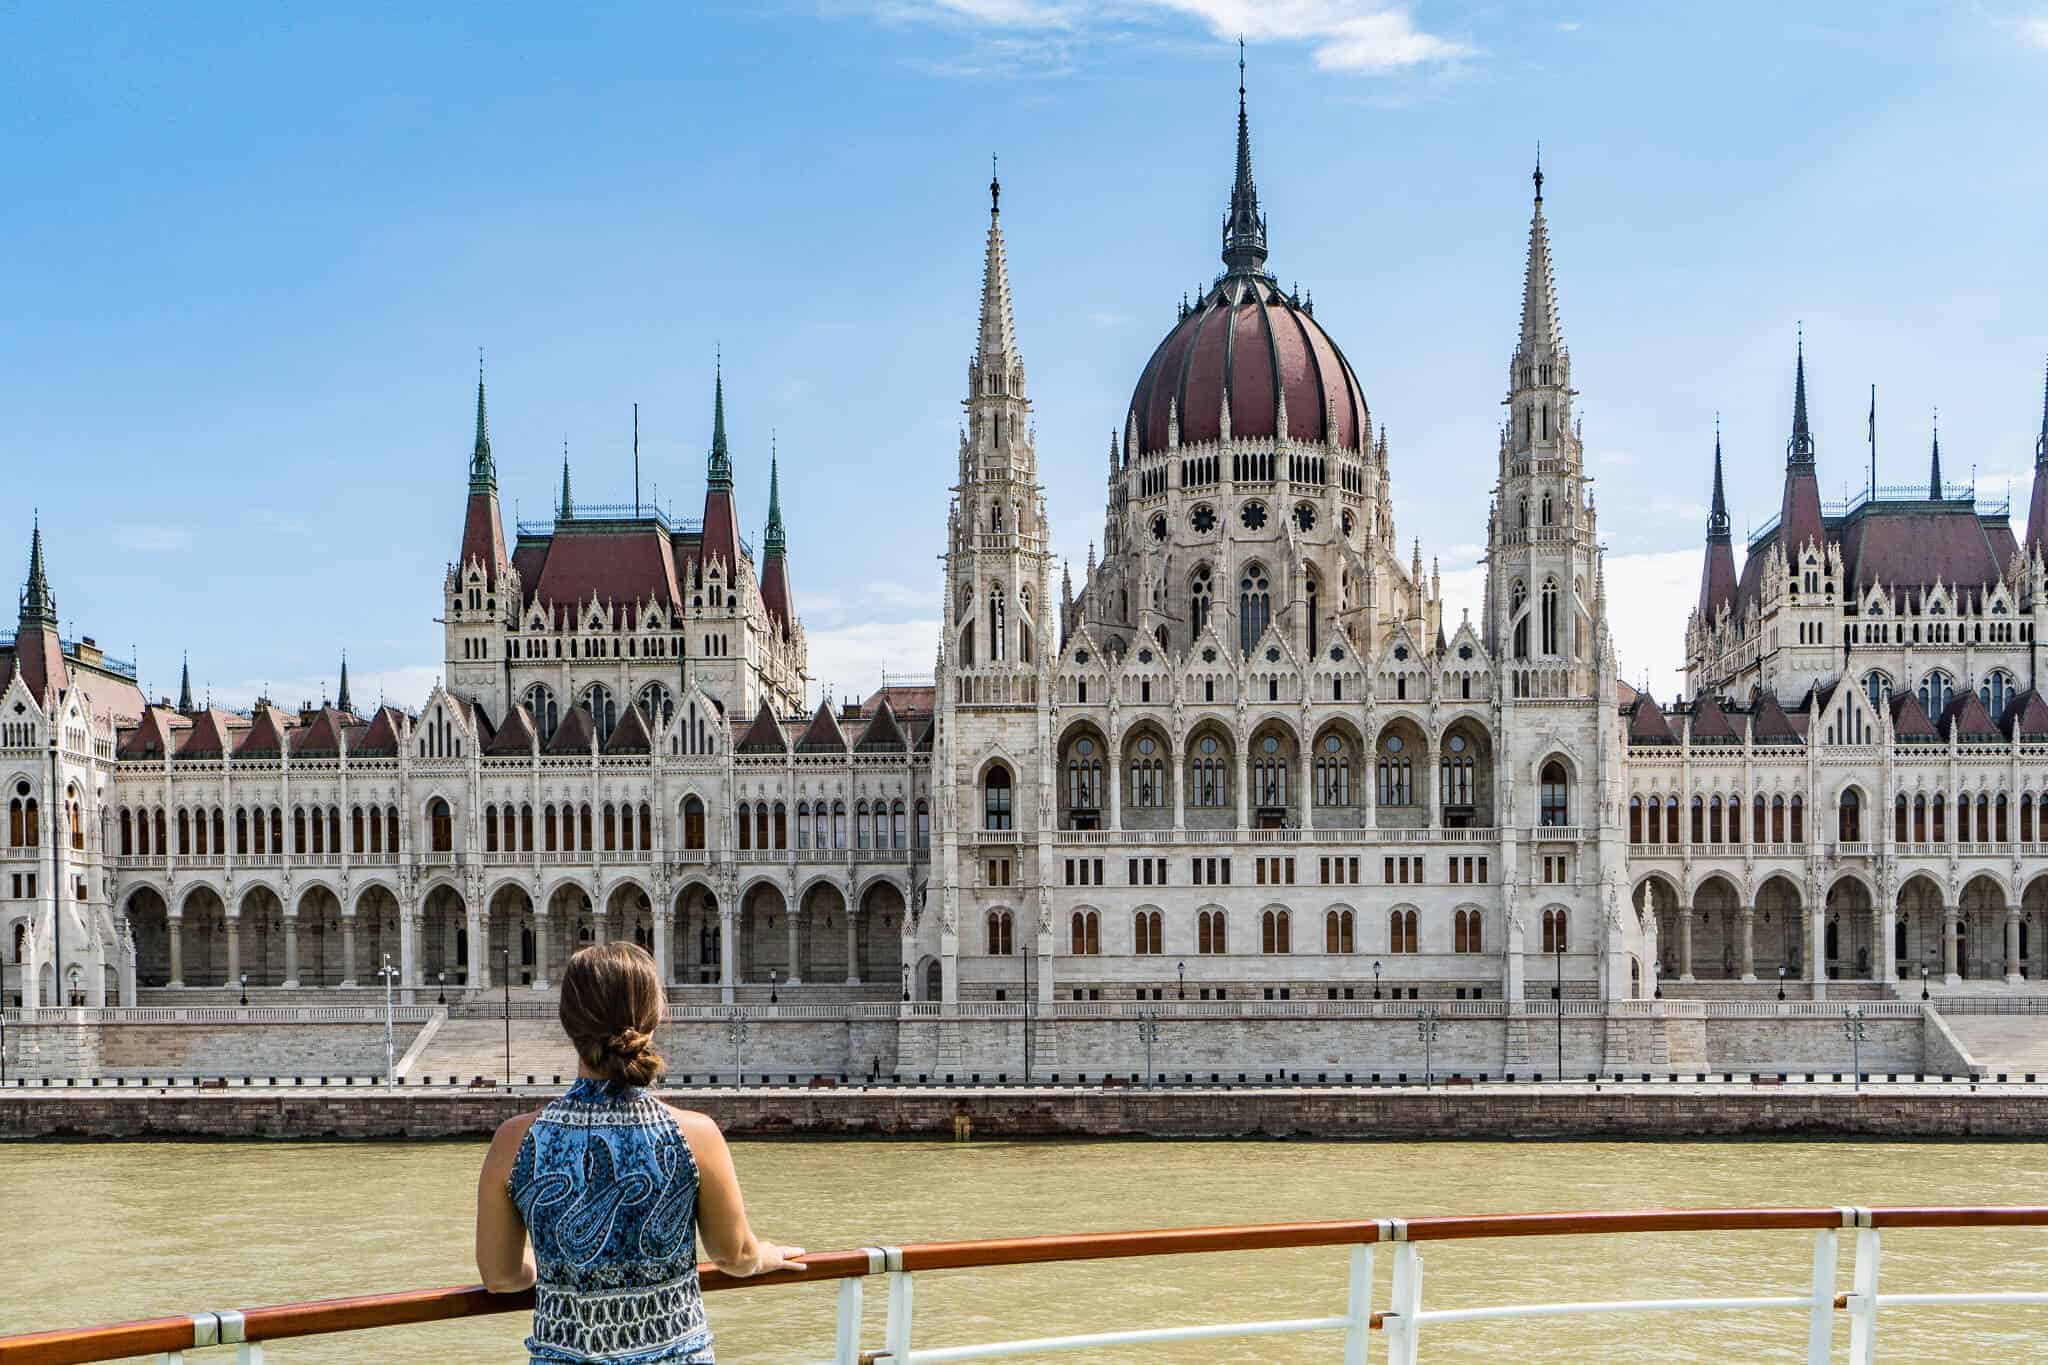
x: 566, y: 509
x: 774, y: 540
x: 1718, y: 524
x: 1799, y: 450
x: 1538, y: 177
x: 1244, y: 230
x: 342, y: 701
x: 483, y: 472
x: 995, y: 186
x: 38, y: 603
x: 185, y: 684
x: 1934, y: 484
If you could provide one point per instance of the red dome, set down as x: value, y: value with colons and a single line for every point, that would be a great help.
x: 1237, y: 340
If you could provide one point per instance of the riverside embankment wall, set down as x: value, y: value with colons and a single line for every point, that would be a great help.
x: 1577, y: 1111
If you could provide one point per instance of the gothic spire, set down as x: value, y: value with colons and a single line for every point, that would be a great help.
x: 1934, y: 490
x: 719, y: 468
x: 996, y: 350
x: 1244, y: 228
x: 185, y: 684
x: 483, y: 472
x: 1799, y: 450
x: 38, y: 603
x: 566, y: 509
x: 342, y: 701
x: 2041, y: 442
x: 1717, y: 519
x: 774, y: 543
x: 1542, y: 338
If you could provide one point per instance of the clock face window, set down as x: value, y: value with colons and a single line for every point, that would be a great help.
x: 1253, y: 515
x: 1305, y: 516
x: 1203, y: 519
x: 1159, y: 527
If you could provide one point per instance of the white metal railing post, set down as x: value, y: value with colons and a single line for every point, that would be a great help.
x: 896, y: 1336
x: 1863, y: 1297
x: 1820, y: 1328
x: 846, y: 1336
x: 1405, y: 1300
x: 1358, y: 1307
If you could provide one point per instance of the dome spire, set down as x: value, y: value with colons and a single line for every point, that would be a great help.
x: 1244, y: 229
x: 1542, y: 338
x: 38, y: 603
x: 774, y: 540
x: 1718, y: 525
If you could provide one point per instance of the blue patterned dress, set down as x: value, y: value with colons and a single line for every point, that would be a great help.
x: 608, y: 1189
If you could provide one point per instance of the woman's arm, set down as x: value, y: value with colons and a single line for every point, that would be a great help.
x: 721, y: 1213
x: 504, y: 1257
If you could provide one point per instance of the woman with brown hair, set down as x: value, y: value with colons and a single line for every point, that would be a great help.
x: 597, y: 1200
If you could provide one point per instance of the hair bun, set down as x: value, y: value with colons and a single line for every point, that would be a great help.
x: 629, y: 1044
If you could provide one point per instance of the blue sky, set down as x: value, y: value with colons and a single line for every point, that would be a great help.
x: 247, y: 257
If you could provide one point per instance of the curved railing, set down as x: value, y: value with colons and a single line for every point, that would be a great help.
x: 1400, y: 1321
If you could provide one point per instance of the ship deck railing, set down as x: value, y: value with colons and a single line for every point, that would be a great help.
x: 1400, y: 1323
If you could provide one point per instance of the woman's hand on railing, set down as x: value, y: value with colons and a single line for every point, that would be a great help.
x: 766, y: 1256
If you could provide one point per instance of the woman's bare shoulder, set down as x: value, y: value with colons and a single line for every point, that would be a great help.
x: 692, y: 1121
x: 505, y: 1141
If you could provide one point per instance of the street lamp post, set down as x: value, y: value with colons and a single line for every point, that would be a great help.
x: 1375, y: 980
x: 906, y: 983
x: 388, y: 972
x: 771, y: 986
x: 505, y: 979
x: 245, y: 990
x: 1425, y: 1029
x: 736, y: 1034
x: 441, y: 988
x: 1148, y: 1029
x: 1557, y: 945
x: 1923, y: 981
x: 1182, y: 968
x: 1852, y: 1027
x: 1781, y: 983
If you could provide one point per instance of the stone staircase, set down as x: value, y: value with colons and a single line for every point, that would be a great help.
x: 2011, y: 1043
x: 466, y: 1048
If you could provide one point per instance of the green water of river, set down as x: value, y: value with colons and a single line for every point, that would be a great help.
x: 106, y: 1232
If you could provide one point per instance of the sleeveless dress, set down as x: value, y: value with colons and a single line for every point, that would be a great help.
x: 608, y: 1189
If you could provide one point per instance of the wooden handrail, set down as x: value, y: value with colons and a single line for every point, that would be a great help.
x: 75, y: 1346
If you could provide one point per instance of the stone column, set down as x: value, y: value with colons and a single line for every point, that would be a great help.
x: 540, y: 948
x: 1951, y: 920
x: 1881, y: 945
x: 408, y: 949
x: 477, y: 971
x: 233, y: 922
x: 1116, y: 793
x: 176, y: 921
x: 2012, y: 945
x: 1180, y: 790
x: 852, y: 948
x: 348, y: 947
x: 796, y: 971
x: 1685, y: 976
x: 1511, y: 984
x: 291, y: 948
x: 1244, y: 782
x: 1747, y: 914
x: 664, y: 949
x: 1308, y: 786
x: 726, y: 923
x: 597, y: 923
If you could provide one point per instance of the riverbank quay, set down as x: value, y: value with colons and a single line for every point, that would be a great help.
x: 1652, y: 1110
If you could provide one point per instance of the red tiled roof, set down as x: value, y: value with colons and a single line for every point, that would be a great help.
x: 320, y: 734
x: 2027, y: 716
x: 721, y: 536
x: 617, y: 567
x: 39, y: 658
x: 1770, y: 724
x: 1717, y: 580
x: 764, y: 735
x: 380, y: 738
x: 209, y: 736
x: 824, y: 734
x: 883, y: 734
x: 1909, y: 722
x: 1914, y: 547
x: 775, y: 591
x: 483, y: 535
x: 1623, y: 692
x: 908, y: 701
x: 269, y: 729
x: 515, y: 735
x: 1710, y: 724
x: 1968, y: 721
x: 573, y: 735
x: 630, y: 735
x: 153, y: 735
x: 1646, y: 724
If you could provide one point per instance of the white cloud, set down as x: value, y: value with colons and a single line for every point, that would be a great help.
x: 405, y: 687
x: 1568, y: 26
x: 1371, y: 36
x: 2036, y: 29
x: 850, y: 660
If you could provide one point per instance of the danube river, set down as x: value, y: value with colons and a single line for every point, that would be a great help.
x: 104, y: 1232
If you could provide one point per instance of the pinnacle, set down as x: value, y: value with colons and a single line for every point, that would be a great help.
x: 483, y: 472
x: 1542, y: 336
x: 1717, y: 518
x: 718, y: 476
x: 996, y: 350
x: 1800, y: 449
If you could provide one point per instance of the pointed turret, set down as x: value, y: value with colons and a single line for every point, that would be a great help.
x: 2037, y: 507
x: 565, y: 506
x: 185, y: 686
x: 38, y: 656
x: 1934, y: 486
x: 775, y: 590
x: 1542, y: 338
x: 1799, y: 520
x: 1717, y: 574
x: 721, y: 518
x: 483, y: 534
x: 341, y: 701
x: 1244, y: 227
x: 996, y: 350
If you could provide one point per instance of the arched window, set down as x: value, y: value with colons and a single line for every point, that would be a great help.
x: 1547, y: 516
x: 1777, y: 819
x: 2001, y: 832
x: 1148, y: 774
x: 1466, y: 935
x: 996, y: 633
x: 693, y: 822
x: 898, y: 833
x: 1877, y: 685
x: 821, y: 821
x: 1401, y: 931
x: 1269, y: 773
x: 1333, y: 773
x: 1936, y: 690
x: 1635, y: 819
x: 1084, y: 775
x: 490, y: 827
x: 1209, y: 774
x: 128, y: 833
x: 1671, y: 820
x: 1273, y: 937
x: 1849, y: 818
x: 995, y: 799
x: 1798, y: 819
x: 1147, y: 936
x: 745, y: 824
x: 604, y: 711
x: 1211, y: 935
x: 1996, y: 692
x: 1554, y: 795
x: 611, y: 828
x: 1518, y: 598
x: 1254, y: 607
x: 860, y: 824
x: 880, y: 813
x: 1396, y: 772
x: 1554, y: 931
x: 1550, y: 616
x: 546, y: 714
x: 1001, y: 933
x: 1201, y: 598
x: 1086, y: 933
x: 442, y: 824
x: 1339, y: 932
x: 839, y: 823
x: 1940, y: 806
x: 657, y: 704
